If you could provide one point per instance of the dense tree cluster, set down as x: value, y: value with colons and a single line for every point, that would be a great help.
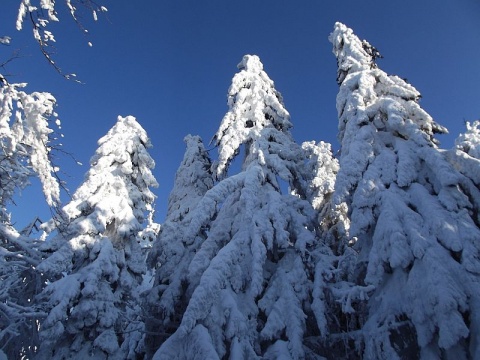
x: 270, y: 250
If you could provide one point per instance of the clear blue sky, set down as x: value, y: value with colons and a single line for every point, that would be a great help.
x: 170, y: 63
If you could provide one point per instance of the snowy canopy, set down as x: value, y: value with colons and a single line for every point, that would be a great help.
x: 413, y: 217
x: 96, y: 259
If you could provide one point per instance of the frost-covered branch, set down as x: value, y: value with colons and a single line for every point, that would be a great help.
x: 25, y: 121
x: 15, y: 55
x: 42, y: 12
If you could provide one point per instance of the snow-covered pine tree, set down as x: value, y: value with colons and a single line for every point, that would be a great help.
x: 322, y: 168
x: 465, y: 156
x: 252, y: 271
x: 25, y: 148
x: 469, y: 141
x: 96, y: 261
x: 20, y: 283
x: 414, y: 219
x: 173, y: 251
x: 328, y: 254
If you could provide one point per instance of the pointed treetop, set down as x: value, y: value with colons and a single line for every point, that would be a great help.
x: 192, y: 180
x: 126, y: 129
x: 97, y: 263
x: 367, y: 94
x: 352, y: 54
x: 116, y: 189
x: 469, y: 141
x: 254, y: 106
x: 413, y: 218
x: 251, y: 63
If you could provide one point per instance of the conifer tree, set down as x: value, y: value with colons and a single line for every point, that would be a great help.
x: 332, y: 230
x: 96, y: 262
x: 25, y: 150
x: 173, y: 251
x: 253, y: 268
x: 414, y: 219
x: 465, y: 156
x: 323, y: 168
x: 20, y: 283
x: 469, y: 141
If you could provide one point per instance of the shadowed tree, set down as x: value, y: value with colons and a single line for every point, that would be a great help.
x: 173, y: 252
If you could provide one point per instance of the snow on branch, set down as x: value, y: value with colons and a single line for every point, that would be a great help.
x: 41, y: 13
x: 25, y: 133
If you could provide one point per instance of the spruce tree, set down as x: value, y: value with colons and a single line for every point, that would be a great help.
x: 322, y: 167
x: 465, y: 156
x: 253, y: 270
x: 95, y: 262
x: 327, y: 254
x: 173, y: 251
x: 414, y: 219
x: 20, y: 283
x: 469, y: 141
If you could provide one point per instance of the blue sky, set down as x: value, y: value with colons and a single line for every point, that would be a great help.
x: 170, y: 63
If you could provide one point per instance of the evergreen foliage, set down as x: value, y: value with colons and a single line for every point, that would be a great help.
x: 252, y: 274
x: 469, y: 141
x: 20, y: 283
x: 285, y: 252
x: 414, y: 218
x: 96, y: 263
x: 173, y: 250
x: 26, y: 144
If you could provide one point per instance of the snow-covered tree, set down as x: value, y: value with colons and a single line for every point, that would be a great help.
x: 20, y: 283
x: 25, y: 131
x: 414, y: 220
x: 322, y: 168
x: 25, y: 149
x: 252, y: 273
x: 328, y: 254
x: 469, y: 141
x: 96, y: 262
x: 173, y: 251
x: 465, y: 156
